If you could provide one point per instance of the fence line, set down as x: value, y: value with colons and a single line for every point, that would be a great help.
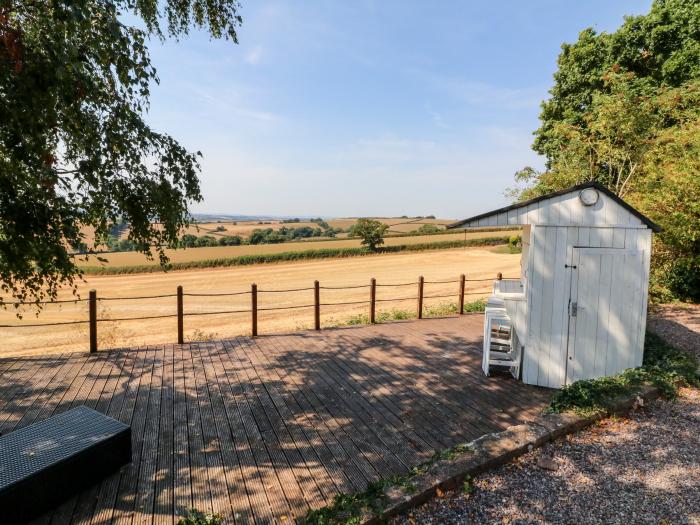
x: 180, y: 314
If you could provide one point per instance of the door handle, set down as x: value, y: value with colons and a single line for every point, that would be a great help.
x: 573, y: 308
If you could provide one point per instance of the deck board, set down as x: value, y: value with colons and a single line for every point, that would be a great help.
x: 260, y: 430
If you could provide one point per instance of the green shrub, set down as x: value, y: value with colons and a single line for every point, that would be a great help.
x: 664, y: 366
x: 197, y: 517
x: 683, y: 278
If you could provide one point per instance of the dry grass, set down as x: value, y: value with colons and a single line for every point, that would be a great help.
x: 394, y: 268
x: 218, y: 252
x: 245, y: 228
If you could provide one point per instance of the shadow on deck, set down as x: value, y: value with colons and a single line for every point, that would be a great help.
x: 260, y: 430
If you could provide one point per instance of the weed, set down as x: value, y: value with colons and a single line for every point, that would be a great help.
x: 197, y: 517
x: 665, y: 367
x: 349, y: 508
x: 200, y: 335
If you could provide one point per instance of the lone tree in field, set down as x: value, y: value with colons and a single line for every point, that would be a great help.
x: 371, y: 231
x: 75, y: 150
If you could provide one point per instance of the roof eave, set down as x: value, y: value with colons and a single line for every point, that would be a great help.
x: 593, y: 184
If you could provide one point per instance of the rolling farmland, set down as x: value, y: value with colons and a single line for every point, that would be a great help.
x: 124, y: 259
x: 389, y: 268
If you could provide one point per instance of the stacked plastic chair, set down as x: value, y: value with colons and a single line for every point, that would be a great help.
x: 500, y: 343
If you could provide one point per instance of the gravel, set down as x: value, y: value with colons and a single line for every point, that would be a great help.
x: 679, y: 324
x: 636, y: 470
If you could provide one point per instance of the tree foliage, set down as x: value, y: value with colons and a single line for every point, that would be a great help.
x: 75, y: 151
x: 662, y: 46
x: 370, y: 231
x: 625, y: 111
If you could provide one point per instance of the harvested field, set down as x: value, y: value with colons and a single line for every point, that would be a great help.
x: 218, y: 252
x: 476, y: 263
x: 245, y: 228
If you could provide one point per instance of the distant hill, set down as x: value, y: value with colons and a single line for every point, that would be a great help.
x: 215, y: 217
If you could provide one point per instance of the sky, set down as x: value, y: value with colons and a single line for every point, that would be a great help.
x: 368, y: 108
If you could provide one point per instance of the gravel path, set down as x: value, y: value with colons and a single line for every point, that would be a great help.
x: 638, y: 470
x: 679, y: 324
x: 645, y: 469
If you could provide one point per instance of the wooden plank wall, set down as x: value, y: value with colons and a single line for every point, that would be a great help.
x: 564, y: 210
x: 548, y: 295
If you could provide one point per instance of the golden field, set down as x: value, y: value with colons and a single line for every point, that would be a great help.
x: 476, y: 263
x: 245, y: 228
x: 218, y: 252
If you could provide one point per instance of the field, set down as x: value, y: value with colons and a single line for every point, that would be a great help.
x: 199, y: 254
x: 245, y: 228
x: 443, y: 265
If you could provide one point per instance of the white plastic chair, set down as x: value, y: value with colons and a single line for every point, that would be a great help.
x: 501, y: 347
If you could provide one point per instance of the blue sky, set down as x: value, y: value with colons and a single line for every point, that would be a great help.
x: 357, y: 108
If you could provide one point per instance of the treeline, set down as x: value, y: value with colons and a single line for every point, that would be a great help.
x: 316, y: 253
x: 624, y: 110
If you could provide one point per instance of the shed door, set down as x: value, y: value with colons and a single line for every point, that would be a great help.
x: 605, y: 312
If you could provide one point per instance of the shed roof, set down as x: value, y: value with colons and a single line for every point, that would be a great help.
x: 552, y: 197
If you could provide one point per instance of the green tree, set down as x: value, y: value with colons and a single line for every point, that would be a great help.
x: 662, y: 46
x: 371, y: 232
x: 188, y: 241
x: 75, y: 150
x: 427, y: 229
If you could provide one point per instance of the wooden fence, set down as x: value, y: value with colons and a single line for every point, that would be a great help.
x: 254, y: 309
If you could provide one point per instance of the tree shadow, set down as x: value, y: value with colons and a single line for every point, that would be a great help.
x: 258, y: 429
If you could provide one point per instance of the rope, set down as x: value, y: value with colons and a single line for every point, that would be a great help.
x: 283, y: 291
x: 345, y: 287
x: 397, y: 299
x: 285, y: 307
x: 440, y: 282
x: 110, y: 320
x: 438, y: 296
x: 44, y: 302
x: 216, y: 313
x: 399, y: 284
x: 215, y: 294
x: 341, y: 304
x: 62, y: 323
x: 134, y: 298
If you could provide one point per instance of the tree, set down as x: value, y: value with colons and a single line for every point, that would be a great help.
x: 427, y: 229
x: 75, y: 150
x: 662, y: 46
x: 371, y: 231
x: 625, y: 111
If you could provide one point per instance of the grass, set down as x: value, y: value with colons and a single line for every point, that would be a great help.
x: 349, y: 509
x: 197, y: 517
x: 665, y: 367
x: 397, y: 314
x: 266, y: 258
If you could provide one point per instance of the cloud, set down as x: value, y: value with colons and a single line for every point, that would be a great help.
x: 230, y: 102
x: 479, y: 93
x: 253, y: 56
x: 390, y: 148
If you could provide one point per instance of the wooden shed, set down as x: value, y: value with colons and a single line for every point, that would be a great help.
x: 579, y: 308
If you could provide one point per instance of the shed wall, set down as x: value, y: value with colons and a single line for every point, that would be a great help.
x: 549, y: 281
x: 564, y: 210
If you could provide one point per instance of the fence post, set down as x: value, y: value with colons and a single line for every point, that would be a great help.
x: 254, y: 308
x: 93, y: 320
x: 372, y: 300
x: 180, y: 320
x: 317, y: 305
x: 462, y: 280
x: 420, y: 297
x: 499, y: 276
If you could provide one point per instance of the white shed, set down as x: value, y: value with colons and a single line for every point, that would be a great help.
x: 579, y: 307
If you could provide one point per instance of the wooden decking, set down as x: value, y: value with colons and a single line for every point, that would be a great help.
x: 260, y: 430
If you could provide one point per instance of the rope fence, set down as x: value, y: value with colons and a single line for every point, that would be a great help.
x: 253, y: 310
